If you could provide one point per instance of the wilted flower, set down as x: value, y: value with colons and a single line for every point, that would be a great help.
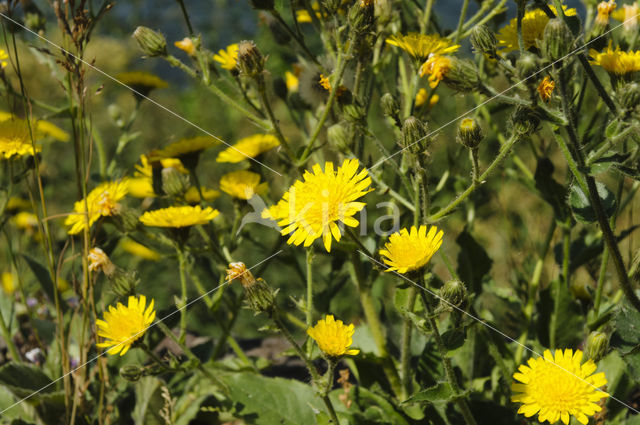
x: 98, y: 260
x: 545, y: 88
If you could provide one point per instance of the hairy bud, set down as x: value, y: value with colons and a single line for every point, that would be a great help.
x: 469, y: 133
x: 250, y: 60
x: 597, y: 345
x: 151, y: 42
x: 484, y: 40
x: 557, y: 40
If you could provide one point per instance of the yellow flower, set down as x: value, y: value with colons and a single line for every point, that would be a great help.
x: 137, y: 249
x: 192, y: 196
x: 141, y: 187
x: 302, y: 15
x: 604, y: 11
x: 142, y: 81
x: 227, y: 57
x: 311, y: 208
x: 122, y: 326
x: 436, y: 67
x: 242, y: 184
x: 183, y: 216
x: 184, y: 147
x: 186, y: 45
x: 410, y: 250
x: 629, y: 15
x: 98, y: 260
x: 101, y: 201
x: 420, y: 46
x: 545, y: 88
x: 25, y: 220
x: 47, y: 128
x: 3, y: 58
x: 616, y: 61
x: 422, y: 96
x: 145, y: 169
x: 558, y: 388
x: 7, y: 283
x: 249, y: 147
x: 333, y: 337
x: 291, y: 80
x: 15, y: 140
x: 14, y: 204
x: 533, y: 24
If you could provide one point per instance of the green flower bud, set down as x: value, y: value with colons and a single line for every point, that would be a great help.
x: 524, y: 121
x: 131, y: 372
x: 414, y: 134
x: 557, y: 40
x: 484, y: 40
x: 527, y: 65
x: 250, y: 60
x: 151, y: 42
x: 361, y: 16
x: 123, y: 282
x: 629, y: 95
x: 469, y: 133
x: 454, y: 293
x: 597, y: 346
x: 462, y: 76
x: 174, y: 183
x: 390, y: 105
x: 338, y: 135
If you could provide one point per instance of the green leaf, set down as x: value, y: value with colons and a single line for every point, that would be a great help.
x: 473, y: 261
x: 439, y: 393
x: 626, y: 337
x: 569, y: 323
x: 550, y: 190
x: 44, y: 278
x: 581, y: 207
x: 454, y: 339
x: 23, y: 380
x: 149, y: 402
x: 266, y: 401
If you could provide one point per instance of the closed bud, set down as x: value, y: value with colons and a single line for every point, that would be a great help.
x: 390, y: 105
x: 174, y: 183
x: 597, y: 346
x: 123, y: 282
x: 338, y: 135
x: 361, y: 16
x: 462, y: 76
x: 484, y: 40
x: 453, y: 294
x: 524, y: 121
x: 527, y: 65
x: 250, y: 60
x: 414, y: 132
x: 151, y: 42
x: 262, y: 4
x: 629, y: 95
x: 557, y: 40
x: 352, y: 111
x: 131, y: 372
x: 129, y: 219
x: 469, y: 133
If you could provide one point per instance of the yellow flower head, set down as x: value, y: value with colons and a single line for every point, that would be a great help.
x: 311, y: 208
x: 46, y: 128
x: 139, y: 250
x: 605, y: 8
x: 101, y: 202
x: 420, y: 46
x: 184, y: 147
x: 249, y: 147
x: 333, y: 337
x: 436, y: 67
x: 291, y: 80
x: 15, y: 140
x: 410, y: 250
x: 192, y: 196
x: 560, y: 387
x: 98, y: 260
x: 7, y: 283
x: 616, y: 61
x: 25, y: 220
x: 145, y: 168
x: 3, y: 58
x: 533, y: 24
x: 242, y: 184
x: 176, y: 217
x: 423, y: 95
x: 227, y: 57
x: 122, y: 326
x: 142, y: 81
x: 629, y: 15
x: 545, y: 88
x: 186, y: 45
x: 141, y: 187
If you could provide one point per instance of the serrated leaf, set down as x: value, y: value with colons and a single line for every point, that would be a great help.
x: 439, y: 393
x: 581, y: 207
x: 23, y: 380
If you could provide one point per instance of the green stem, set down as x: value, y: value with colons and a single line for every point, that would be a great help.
x: 309, y: 300
x: 9, y: 341
x: 504, y: 151
x: 566, y: 250
x: 601, y: 276
x: 183, y: 299
x: 186, y: 17
x: 405, y: 353
x: 520, y: 16
x: 426, y: 18
x: 463, y: 15
x: 274, y: 122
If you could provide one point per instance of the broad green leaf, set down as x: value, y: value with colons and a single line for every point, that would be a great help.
x: 23, y: 380
x: 581, y: 206
x: 626, y: 337
x: 473, y: 261
x: 149, y: 402
x: 550, y: 190
x: 569, y: 323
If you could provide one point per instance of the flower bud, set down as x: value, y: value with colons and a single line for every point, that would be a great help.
x: 484, y: 40
x: 123, y: 282
x: 151, y: 42
x: 469, y: 133
x: 629, y: 95
x: 462, y: 76
x: 597, y: 346
x: 250, y: 60
x: 414, y: 134
x: 527, y: 65
x: 131, y: 372
x: 524, y: 121
x: 361, y: 16
x: 390, y: 105
x: 260, y: 297
x: 557, y: 40
x: 454, y: 293
x: 174, y: 183
x: 338, y: 135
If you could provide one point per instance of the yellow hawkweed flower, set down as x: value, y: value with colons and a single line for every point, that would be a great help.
x: 227, y: 57
x: 629, y: 14
x: 545, y: 88
x: 420, y: 46
x: 25, y: 220
x: 333, y: 337
x: 7, y: 283
x: 291, y: 80
x: 533, y: 24
x: 558, y: 388
x: 139, y: 250
x: 311, y: 208
x: 47, y: 128
x: 176, y: 217
x: 141, y: 187
x: 436, y: 67
x: 122, y: 326
x: 3, y: 58
x: 15, y: 140
x: 98, y: 260
x: 605, y: 8
x: 192, y: 196
x: 182, y: 147
x: 616, y: 61
x: 242, y: 184
x: 410, y: 250
x: 101, y: 202
x: 248, y: 147
x: 423, y: 95
x: 186, y: 45
x: 142, y: 81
